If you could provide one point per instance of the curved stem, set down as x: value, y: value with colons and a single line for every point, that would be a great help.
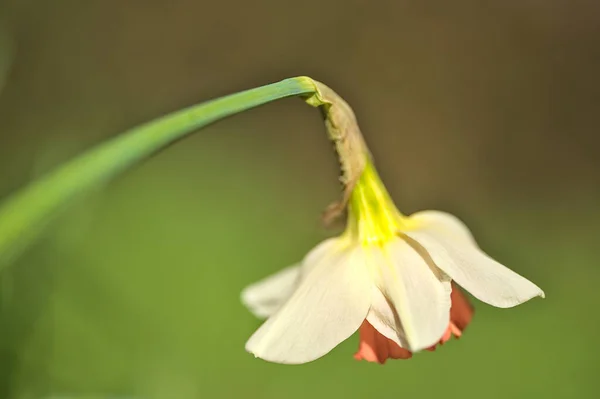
x: 24, y: 214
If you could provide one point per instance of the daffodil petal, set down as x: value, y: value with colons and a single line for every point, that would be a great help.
x: 418, y: 292
x: 322, y: 252
x: 328, y: 306
x: 383, y: 317
x: 444, y: 223
x: 266, y: 296
x: 471, y: 268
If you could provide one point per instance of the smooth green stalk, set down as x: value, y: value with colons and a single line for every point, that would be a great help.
x: 24, y: 214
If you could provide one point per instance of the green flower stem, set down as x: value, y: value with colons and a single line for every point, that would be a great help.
x: 24, y: 215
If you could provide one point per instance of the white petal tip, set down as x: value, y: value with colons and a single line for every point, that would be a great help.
x: 252, y: 303
x: 265, y: 297
x: 247, y: 297
x: 420, y: 346
x: 512, y: 302
x: 278, y: 359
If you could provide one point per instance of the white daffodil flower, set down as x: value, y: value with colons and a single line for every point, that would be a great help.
x: 389, y: 276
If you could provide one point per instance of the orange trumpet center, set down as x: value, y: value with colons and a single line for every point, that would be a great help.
x: 374, y: 347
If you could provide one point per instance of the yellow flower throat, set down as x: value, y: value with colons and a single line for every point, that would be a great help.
x: 372, y: 215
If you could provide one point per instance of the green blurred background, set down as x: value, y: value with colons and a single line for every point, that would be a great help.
x: 488, y: 110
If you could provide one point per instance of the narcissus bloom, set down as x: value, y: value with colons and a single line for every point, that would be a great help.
x: 393, y: 278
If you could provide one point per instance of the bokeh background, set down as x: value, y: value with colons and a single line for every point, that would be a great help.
x: 489, y: 110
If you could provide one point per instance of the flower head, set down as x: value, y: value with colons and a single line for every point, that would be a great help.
x: 393, y: 278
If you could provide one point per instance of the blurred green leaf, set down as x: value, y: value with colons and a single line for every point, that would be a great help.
x: 24, y: 214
